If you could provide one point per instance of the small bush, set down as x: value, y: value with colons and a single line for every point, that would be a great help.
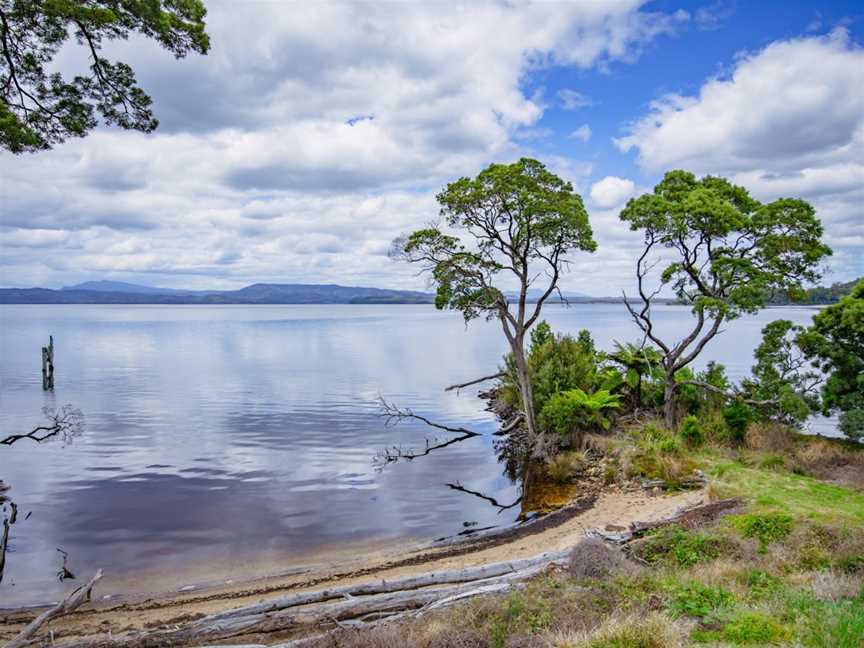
x: 761, y: 584
x: 699, y: 601
x: 593, y: 558
x: 674, y: 545
x: 750, y: 627
x: 737, y: 417
x: 772, y: 461
x: 566, y: 466
x: 765, y: 528
x: 691, y: 432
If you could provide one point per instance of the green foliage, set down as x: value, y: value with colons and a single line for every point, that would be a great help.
x: 779, y: 378
x: 40, y: 108
x: 574, y: 410
x: 639, y: 363
x: 699, y: 601
x: 539, y: 214
x: 540, y: 335
x: 749, y: 627
x: 691, y: 432
x: 738, y: 416
x: 673, y: 545
x: 816, y: 295
x: 559, y: 364
x: 766, y: 528
x: 761, y: 584
x: 730, y: 250
x: 835, y: 343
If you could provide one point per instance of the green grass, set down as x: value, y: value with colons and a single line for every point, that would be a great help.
x: 782, y: 492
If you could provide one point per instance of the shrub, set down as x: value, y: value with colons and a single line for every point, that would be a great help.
x: 555, y: 364
x: 674, y: 545
x: 750, y: 627
x: 566, y: 466
x: 766, y: 528
x: 593, y: 558
x: 738, y: 416
x: 572, y: 410
x: 761, y: 584
x: 699, y: 601
x: 691, y: 432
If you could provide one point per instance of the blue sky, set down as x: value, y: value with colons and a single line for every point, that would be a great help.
x: 313, y: 134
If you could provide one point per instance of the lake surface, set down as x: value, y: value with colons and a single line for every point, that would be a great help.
x: 229, y: 441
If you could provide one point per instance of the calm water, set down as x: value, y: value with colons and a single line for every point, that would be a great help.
x: 232, y: 440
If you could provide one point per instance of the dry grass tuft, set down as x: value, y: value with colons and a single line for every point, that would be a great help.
x: 593, y: 558
x: 652, y: 630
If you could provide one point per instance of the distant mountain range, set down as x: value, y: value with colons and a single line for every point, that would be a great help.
x: 119, y: 292
x: 116, y: 292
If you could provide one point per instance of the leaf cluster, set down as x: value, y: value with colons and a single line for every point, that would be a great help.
x: 40, y: 108
x: 730, y: 252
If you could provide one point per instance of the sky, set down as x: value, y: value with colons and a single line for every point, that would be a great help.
x: 313, y: 134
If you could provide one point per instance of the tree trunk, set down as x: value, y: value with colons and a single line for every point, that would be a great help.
x: 670, y: 404
x: 518, y: 350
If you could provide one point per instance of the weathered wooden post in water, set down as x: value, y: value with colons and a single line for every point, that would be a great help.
x: 48, y: 365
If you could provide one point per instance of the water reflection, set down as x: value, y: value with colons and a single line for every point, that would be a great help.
x: 230, y: 441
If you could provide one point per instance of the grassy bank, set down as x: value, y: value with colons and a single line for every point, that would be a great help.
x: 785, y: 568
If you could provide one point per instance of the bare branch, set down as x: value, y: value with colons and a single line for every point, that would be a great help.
x: 393, y: 415
x: 474, y: 382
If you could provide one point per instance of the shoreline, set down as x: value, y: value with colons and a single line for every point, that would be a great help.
x: 555, y: 531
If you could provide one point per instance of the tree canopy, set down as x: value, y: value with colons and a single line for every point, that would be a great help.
x: 835, y: 343
x: 729, y: 253
x: 513, y: 222
x: 40, y: 108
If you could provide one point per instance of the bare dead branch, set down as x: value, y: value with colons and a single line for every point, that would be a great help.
x: 474, y: 382
x: 501, y: 507
x: 393, y: 414
x: 66, y: 422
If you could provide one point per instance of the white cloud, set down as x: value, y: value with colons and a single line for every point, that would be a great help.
x: 612, y: 191
x: 788, y: 121
x: 573, y: 100
x: 582, y: 133
x: 302, y: 143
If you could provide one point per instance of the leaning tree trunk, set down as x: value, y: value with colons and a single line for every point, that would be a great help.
x: 525, y: 385
x: 670, y: 401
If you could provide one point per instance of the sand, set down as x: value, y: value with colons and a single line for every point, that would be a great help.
x: 615, y: 507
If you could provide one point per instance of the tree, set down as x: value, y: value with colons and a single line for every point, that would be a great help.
x: 835, y: 343
x: 40, y: 108
x: 518, y: 220
x: 730, y: 253
x: 782, y: 387
x: 638, y: 361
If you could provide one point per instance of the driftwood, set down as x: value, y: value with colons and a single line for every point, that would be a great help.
x: 74, y: 600
x: 347, y: 606
x: 67, y: 422
x: 689, y: 517
x: 475, y: 382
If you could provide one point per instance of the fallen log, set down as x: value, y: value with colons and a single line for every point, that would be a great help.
x: 73, y: 601
x: 689, y: 517
x: 312, y: 609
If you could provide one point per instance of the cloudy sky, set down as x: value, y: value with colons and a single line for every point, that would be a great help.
x: 313, y: 134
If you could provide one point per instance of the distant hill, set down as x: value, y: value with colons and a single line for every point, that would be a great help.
x: 120, y: 292
x: 819, y: 294
x: 130, y: 288
x: 115, y: 292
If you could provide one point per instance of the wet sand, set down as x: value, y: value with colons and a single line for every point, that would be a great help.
x: 557, y: 531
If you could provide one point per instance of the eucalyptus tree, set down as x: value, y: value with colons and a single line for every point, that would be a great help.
x: 729, y: 254
x: 516, y: 223
x: 39, y: 107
